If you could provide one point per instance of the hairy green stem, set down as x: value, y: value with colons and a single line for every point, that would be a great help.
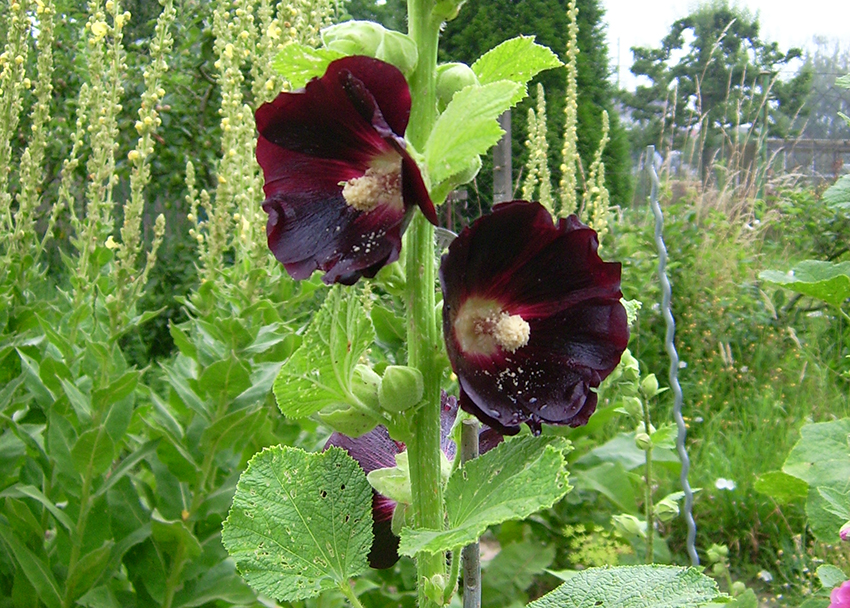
x: 648, y: 509
x: 349, y: 594
x: 422, y: 336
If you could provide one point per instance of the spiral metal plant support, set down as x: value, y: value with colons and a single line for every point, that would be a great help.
x: 670, y: 347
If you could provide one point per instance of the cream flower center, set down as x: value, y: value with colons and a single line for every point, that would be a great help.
x: 482, y: 326
x: 380, y: 185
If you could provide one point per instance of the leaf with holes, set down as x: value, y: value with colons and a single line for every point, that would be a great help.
x: 484, y: 492
x: 300, y: 523
x: 632, y: 587
x: 319, y: 373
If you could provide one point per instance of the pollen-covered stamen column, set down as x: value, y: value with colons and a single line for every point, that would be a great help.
x: 422, y: 338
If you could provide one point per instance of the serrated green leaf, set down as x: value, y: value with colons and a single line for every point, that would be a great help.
x: 299, y: 64
x: 484, y: 492
x: 782, y: 487
x: 467, y: 128
x: 825, y: 281
x: 93, y: 452
x: 830, y: 576
x: 632, y: 587
x: 300, y: 522
x: 821, y: 457
x: 518, y: 60
x: 319, y: 373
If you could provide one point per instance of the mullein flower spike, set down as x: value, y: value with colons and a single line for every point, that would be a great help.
x: 340, y: 185
x: 532, y: 318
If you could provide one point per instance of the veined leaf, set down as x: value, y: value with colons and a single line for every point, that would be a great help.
x: 632, y: 587
x: 467, y: 128
x: 37, y: 572
x: 518, y: 60
x: 300, y: 523
x: 299, y: 64
x: 825, y: 281
x: 319, y: 373
x: 484, y: 492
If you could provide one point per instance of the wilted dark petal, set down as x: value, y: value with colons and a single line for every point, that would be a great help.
x: 375, y: 450
x: 552, y: 278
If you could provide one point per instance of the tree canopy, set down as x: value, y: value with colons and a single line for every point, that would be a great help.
x: 712, y: 72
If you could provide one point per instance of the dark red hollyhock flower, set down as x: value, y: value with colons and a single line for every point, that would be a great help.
x: 376, y: 450
x: 531, y: 317
x: 340, y: 187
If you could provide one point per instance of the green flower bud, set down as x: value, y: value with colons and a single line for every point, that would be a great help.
x: 643, y: 441
x: 373, y: 40
x: 633, y: 406
x: 353, y: 37
x: 401, y: 388
x: 738, y: 588
x: 717, y: 553
x: 451, y: 78
x: 649, y: 386
x: 629, y: 526
x: 666, y: 510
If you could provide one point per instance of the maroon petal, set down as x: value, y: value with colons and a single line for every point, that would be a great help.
x: 311, y: 143
x: 375, y: 450
x: 552, y: 278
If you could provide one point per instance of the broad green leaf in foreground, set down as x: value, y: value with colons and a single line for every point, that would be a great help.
x: 512, y: 481
x: 825, y: 281
x: 518, y: 60
x: 467, y: 128
x: 300, y: 523
x: 781, y: 487
x: 319, y: 373
x: 299, y: 64
x: 821, y: 457
x: 632, y: 587
x: 831, y: 576
x: 838, y: 194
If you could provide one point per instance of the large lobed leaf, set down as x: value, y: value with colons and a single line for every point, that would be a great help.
x: 632, y: 587
x: 821, y: 458
x: 512, y: 481
x: 825, y: 281
x: 300, y: 523
x: 319, y: 373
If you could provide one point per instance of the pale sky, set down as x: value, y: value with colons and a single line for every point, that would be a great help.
x: 788, y: 22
